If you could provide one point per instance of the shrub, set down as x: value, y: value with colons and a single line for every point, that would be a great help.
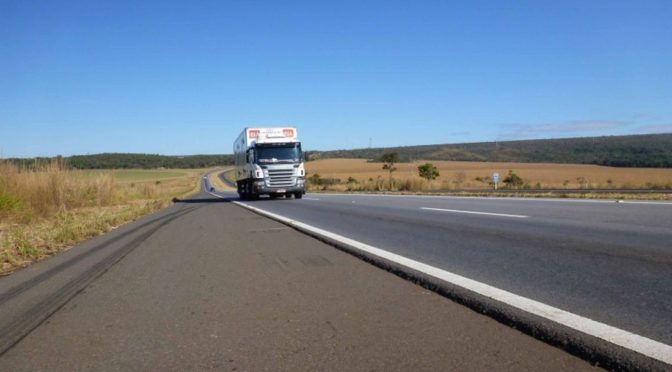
x: 428, y: 171
x: 512, y: 180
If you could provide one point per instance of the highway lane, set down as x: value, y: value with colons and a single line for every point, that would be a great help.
x: 607, y: 261
x: 205, y: 284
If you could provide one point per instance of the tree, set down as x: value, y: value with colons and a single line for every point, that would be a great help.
x: 389, y: 159
x: 428, y: 171
x: 513, y: 180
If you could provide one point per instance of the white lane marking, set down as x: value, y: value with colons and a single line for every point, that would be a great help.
x: 474, y: 212
x: 504, y: 198
x: 310, y: 198
x: 643, y: 345
x: 643, y: 202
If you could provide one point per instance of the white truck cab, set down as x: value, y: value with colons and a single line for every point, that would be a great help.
x: 269, y: 161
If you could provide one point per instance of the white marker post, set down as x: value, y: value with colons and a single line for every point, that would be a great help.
x: 495, y: 179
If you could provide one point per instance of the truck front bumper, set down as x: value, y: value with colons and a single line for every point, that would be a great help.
x: 261, y: 188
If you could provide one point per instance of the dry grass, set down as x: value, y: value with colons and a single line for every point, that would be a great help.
x: 217, y: 182
x: 49, y: 208
x: 462, y: 175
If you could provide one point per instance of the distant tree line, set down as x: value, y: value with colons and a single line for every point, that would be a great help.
x: 649, y: 150
x: 132, y: 161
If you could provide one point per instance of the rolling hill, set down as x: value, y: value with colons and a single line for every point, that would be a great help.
x: 648, y: 150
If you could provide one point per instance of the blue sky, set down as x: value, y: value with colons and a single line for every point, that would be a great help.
x: 185, y: 77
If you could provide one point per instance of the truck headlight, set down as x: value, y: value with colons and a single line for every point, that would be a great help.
x: 258, y: 173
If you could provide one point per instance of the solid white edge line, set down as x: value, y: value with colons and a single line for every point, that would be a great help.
x: 643, y: 345
x: 474, y: 212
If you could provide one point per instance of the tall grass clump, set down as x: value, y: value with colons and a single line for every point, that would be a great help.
x: 44, y: 189
x: 47, y: 207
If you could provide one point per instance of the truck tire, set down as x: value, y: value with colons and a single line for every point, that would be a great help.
x: 242, y: 190
x: 298, y: 195
x: 251, y: 195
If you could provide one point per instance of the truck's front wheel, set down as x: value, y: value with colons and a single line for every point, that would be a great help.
x: 298, y: 195
x: 243, y: 190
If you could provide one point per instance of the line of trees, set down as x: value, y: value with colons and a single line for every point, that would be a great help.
x: 131, y: 161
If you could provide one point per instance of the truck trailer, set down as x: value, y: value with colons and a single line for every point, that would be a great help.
x: 269, y: 161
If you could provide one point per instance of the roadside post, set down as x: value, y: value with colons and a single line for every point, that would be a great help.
x: 495, y: 179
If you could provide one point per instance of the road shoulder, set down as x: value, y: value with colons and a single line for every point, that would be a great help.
x: 224, y: 288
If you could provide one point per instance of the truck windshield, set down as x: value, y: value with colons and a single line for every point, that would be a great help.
x: 279, y: 154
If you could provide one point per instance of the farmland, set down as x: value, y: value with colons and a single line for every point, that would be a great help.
x: 474, y: 175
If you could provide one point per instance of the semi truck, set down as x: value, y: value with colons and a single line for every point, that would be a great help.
x: 269, y: 161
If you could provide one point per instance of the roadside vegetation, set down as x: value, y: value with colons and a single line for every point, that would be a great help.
x: 47, y: 207
x: 475, y: 178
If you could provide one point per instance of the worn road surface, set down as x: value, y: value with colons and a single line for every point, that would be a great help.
x: 607, y: 261
x: 206, y: 284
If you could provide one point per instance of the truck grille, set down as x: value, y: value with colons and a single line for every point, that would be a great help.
x: 281, y: 177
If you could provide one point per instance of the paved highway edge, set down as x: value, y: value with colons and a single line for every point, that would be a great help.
x: 586, y: 346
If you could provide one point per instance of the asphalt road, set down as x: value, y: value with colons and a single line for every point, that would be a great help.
x: 607, y: 261
x: 206, y: 284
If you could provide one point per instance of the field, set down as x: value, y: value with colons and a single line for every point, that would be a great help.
x: 136, y: 175
x: 476, y: 175
x: 49, y: 208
